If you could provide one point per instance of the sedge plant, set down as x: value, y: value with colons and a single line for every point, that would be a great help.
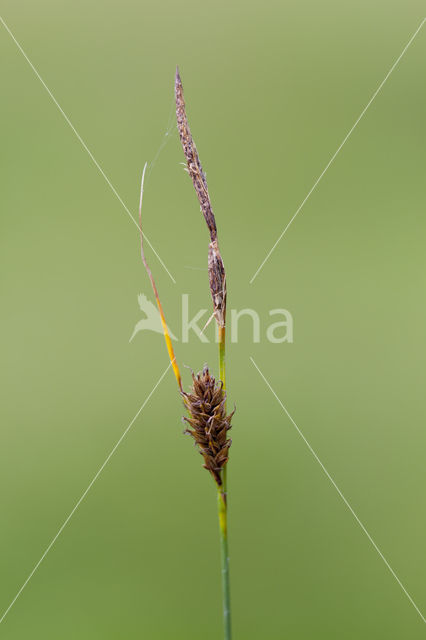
x: 207, y: 420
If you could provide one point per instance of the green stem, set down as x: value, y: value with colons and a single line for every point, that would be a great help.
x: 223, y: 514
x: 222, y: 375
x: 222, y: 511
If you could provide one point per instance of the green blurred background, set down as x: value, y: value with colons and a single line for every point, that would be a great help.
x: 272, y: 88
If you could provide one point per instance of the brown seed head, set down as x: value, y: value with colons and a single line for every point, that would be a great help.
x: 215, y: 263
x: 208, y: 422
x: 217, y: 281
x: 195, y: 169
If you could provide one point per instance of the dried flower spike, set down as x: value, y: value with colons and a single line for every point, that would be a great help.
x: 215, y: 263
x: 209, y: 422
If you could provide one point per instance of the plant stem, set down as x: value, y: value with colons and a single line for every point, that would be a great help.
x: 222, y: 377
x: 222, y: 510
x: 223, y: 513
x: 222, y: 356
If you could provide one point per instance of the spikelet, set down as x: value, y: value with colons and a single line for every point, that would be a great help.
x: 208, y: 422
x: 215, y: 263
